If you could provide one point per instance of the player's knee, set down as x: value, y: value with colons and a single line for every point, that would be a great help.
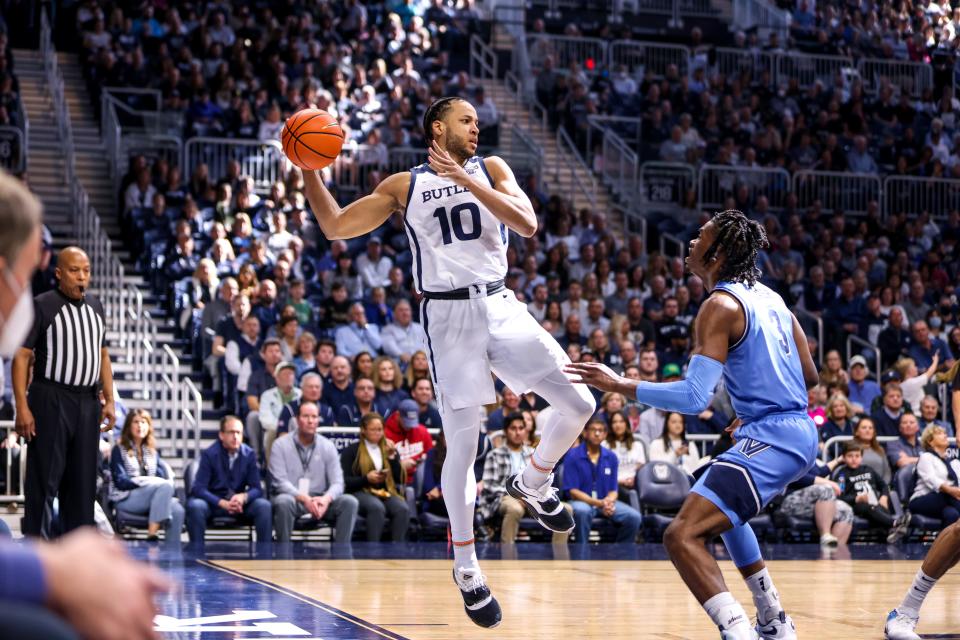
x: 580, y: 403
x: 675, y: 536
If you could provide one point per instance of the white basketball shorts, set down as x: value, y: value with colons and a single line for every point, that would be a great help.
x: 467, y: 339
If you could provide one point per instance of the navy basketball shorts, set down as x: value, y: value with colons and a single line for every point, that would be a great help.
x: 769, y: 454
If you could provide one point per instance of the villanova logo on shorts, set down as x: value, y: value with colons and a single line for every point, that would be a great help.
x: 751, y: 447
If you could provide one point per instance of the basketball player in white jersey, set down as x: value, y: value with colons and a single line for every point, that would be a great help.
x: 458, y: 209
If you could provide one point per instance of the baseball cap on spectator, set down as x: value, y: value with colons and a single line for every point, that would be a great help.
x: 858, y: 360
x: 671, y: 370
x: 374, y: 240
x: 889, y: 376
x: 285, y: 364
x: 409, y: 413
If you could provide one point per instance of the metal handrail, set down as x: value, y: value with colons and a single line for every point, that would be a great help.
x: 835, y: 440
x: 571, y: 158
x: 168, y: 375
x: 191, y: 404
x: 852, y: 339
x: 628, y: 217
x: 483, y: 59
x: 670, y: 239
x: 6, y: 426
x: 817, y: 320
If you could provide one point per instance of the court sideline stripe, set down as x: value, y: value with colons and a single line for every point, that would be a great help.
x: 369, y: 626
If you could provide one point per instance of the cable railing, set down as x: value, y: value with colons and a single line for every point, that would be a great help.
x: 483, y: 59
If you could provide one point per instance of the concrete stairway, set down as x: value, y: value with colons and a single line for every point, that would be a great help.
x: 46, y: 177
x: 555, y: 174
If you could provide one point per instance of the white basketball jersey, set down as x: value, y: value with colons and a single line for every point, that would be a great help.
x: 455, y: 239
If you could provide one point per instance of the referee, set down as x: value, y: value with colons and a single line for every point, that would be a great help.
x: 61, y: 413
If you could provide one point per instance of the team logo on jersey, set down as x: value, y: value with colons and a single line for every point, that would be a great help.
x: 751, y: 447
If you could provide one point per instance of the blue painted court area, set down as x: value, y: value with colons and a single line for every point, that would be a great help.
x: 213, y: 602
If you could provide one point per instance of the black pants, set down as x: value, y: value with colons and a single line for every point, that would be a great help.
x: 61, y: 458
x: 876, y: 514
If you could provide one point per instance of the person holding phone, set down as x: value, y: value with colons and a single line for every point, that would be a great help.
x: 372, y: 473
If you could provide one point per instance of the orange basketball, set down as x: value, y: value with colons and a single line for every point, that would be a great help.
x: 311, y: 138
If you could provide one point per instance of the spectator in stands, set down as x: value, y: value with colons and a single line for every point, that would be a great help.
x: 905, y: 450
x: 374, y: 476
x: 410, y: 437
x: 590, y: 474
x: 652, y: 420
x: 930, y: 414
x: 815, y: 497
x: 326, y: 351
x: 358, y: 335
x: 873, y: 454
x: 912, y: 382
x: 924, y: 347
x: 254, y: 379
x: 306, y: 478
x: 311, y: 388
x: 630, y: 452
x: 305, y: 358
x: 936, y: 493
x: 266, y: 308
x: 862, y: 391
x: 140, y: 193
x: 373, y: 266
x: 916, y: 306
x: 509, y: 405
x: 386, y: 381
x: 839, y: 418
x: 818, y: 294
x: 503, y: 462
x: 867, y: 493
x: 833, y: 373
x: 403, y: 337
x: 228, y: 484
x: 887, y: 418
x: 431, y: 492
x: 364, y: 392
x: 422, y: 394
x: 287, y: 332
x: 139, y: 481
x: 338, y: 389
x: 272, y: 402
x: 672, y: 446
x: 595, y: 320
x: 243, y: 346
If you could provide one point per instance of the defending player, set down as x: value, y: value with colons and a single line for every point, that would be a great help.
x: 943, y: 556
x: 457, y: 209
x: 745, y: 333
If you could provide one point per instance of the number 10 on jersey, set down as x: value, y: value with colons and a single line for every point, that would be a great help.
x: 454, y: 222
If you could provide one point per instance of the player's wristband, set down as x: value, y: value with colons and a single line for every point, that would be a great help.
x: 689, y: 396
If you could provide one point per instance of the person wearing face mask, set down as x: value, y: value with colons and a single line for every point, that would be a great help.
x: 60, y: 412
x: 86, y: 585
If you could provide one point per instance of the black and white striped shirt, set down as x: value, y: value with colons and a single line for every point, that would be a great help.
x: 66, y: 339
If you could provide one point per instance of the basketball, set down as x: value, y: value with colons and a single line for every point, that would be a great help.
x: 311, y: 139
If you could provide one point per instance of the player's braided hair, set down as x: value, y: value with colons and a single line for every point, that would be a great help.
x: 436, y: 111
x: 739, y: 238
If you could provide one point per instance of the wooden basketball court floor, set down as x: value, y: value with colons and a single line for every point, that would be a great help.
x: 406, y: 595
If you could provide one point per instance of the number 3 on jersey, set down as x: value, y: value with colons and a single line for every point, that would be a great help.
x: 455, y: 222
x: 784, y: 343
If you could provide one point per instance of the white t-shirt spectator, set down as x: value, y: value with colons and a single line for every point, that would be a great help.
x: 134, y: 198
x: 661, y: 452
x: 374, y: 274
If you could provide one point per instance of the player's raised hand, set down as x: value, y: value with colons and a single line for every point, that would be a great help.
x: 594, y: 374
x: 445, y: 166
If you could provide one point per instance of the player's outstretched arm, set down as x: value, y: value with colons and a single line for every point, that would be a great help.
x: 719, y: 319
x: 505, y: 199
x: 360, y: 216
x: 810, y: 375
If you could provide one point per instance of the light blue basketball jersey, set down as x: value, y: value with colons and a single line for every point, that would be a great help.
x: 763, y: 374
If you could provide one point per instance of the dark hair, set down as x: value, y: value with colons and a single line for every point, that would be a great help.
x: 436, y: 111
x: 327, y: 342
x: 513, y: 417
x: 305, y: 403
x: 229, y: 418
x: 627, y: 435
x: 269, y: 342
x: 368, y: 418
x: 665, y: 435
x: 740, y: 238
